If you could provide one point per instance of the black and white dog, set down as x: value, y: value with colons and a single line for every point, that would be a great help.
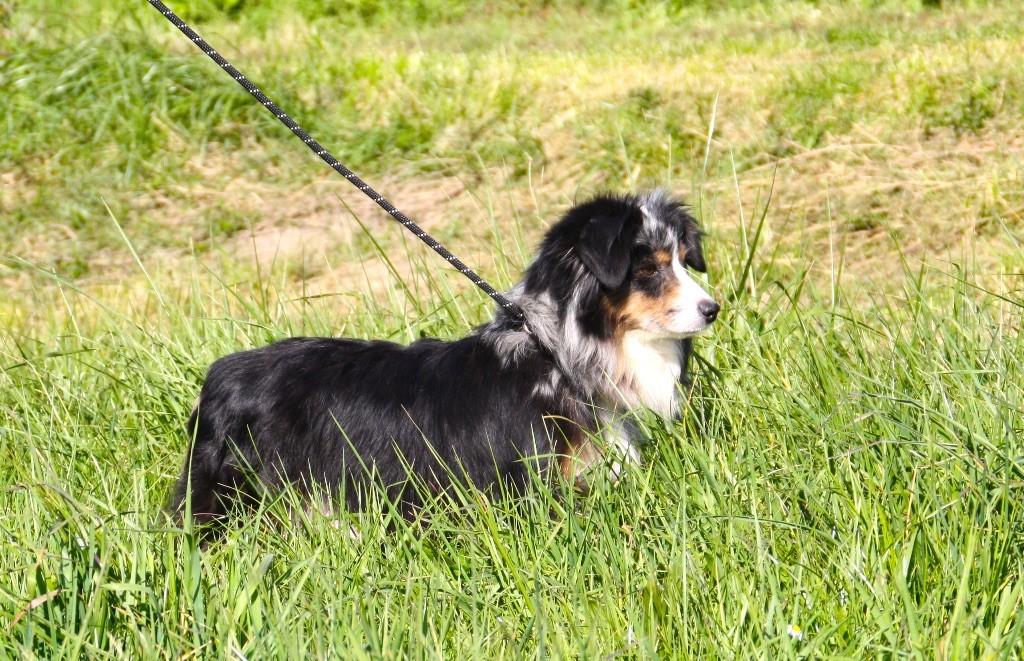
x: 610, y: 310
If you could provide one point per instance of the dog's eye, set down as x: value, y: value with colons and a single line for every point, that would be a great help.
x: 646, y: 268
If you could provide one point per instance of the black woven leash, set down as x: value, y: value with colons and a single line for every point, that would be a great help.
x: 510, y: 307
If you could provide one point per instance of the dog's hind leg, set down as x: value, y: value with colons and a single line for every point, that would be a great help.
x: 207, y: 479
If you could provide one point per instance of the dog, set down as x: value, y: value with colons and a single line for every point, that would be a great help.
x: 610, y: 309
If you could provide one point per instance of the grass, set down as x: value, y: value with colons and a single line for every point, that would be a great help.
x: 847, y: 478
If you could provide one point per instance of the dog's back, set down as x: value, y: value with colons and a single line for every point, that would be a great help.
x: 338, y: 413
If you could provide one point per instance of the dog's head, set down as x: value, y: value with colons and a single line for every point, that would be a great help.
x: 620, y: 265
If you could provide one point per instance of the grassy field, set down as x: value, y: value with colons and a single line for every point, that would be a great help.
x: 848, y: 477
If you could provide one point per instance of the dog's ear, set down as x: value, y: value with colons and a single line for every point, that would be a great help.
x: 691, y: 241
x: 607, y: 242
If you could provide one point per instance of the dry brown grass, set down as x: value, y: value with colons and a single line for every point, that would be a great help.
x: 937, y: 200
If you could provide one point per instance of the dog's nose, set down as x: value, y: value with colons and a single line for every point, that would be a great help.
x: 709, y: 309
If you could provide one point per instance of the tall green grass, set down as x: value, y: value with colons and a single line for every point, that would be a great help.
x: 845, y: 481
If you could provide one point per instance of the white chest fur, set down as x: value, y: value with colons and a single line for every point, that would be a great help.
x: 650, y: 372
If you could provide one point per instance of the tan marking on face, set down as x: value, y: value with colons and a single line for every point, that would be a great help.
x: 637, y: 309
x: 640, y: 310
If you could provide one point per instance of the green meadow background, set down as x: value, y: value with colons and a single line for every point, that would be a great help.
x: 847, y: 480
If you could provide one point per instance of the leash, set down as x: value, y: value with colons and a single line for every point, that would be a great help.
x: 383, y: 203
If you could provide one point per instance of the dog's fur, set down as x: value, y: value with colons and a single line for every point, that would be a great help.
x: 610, y: 310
